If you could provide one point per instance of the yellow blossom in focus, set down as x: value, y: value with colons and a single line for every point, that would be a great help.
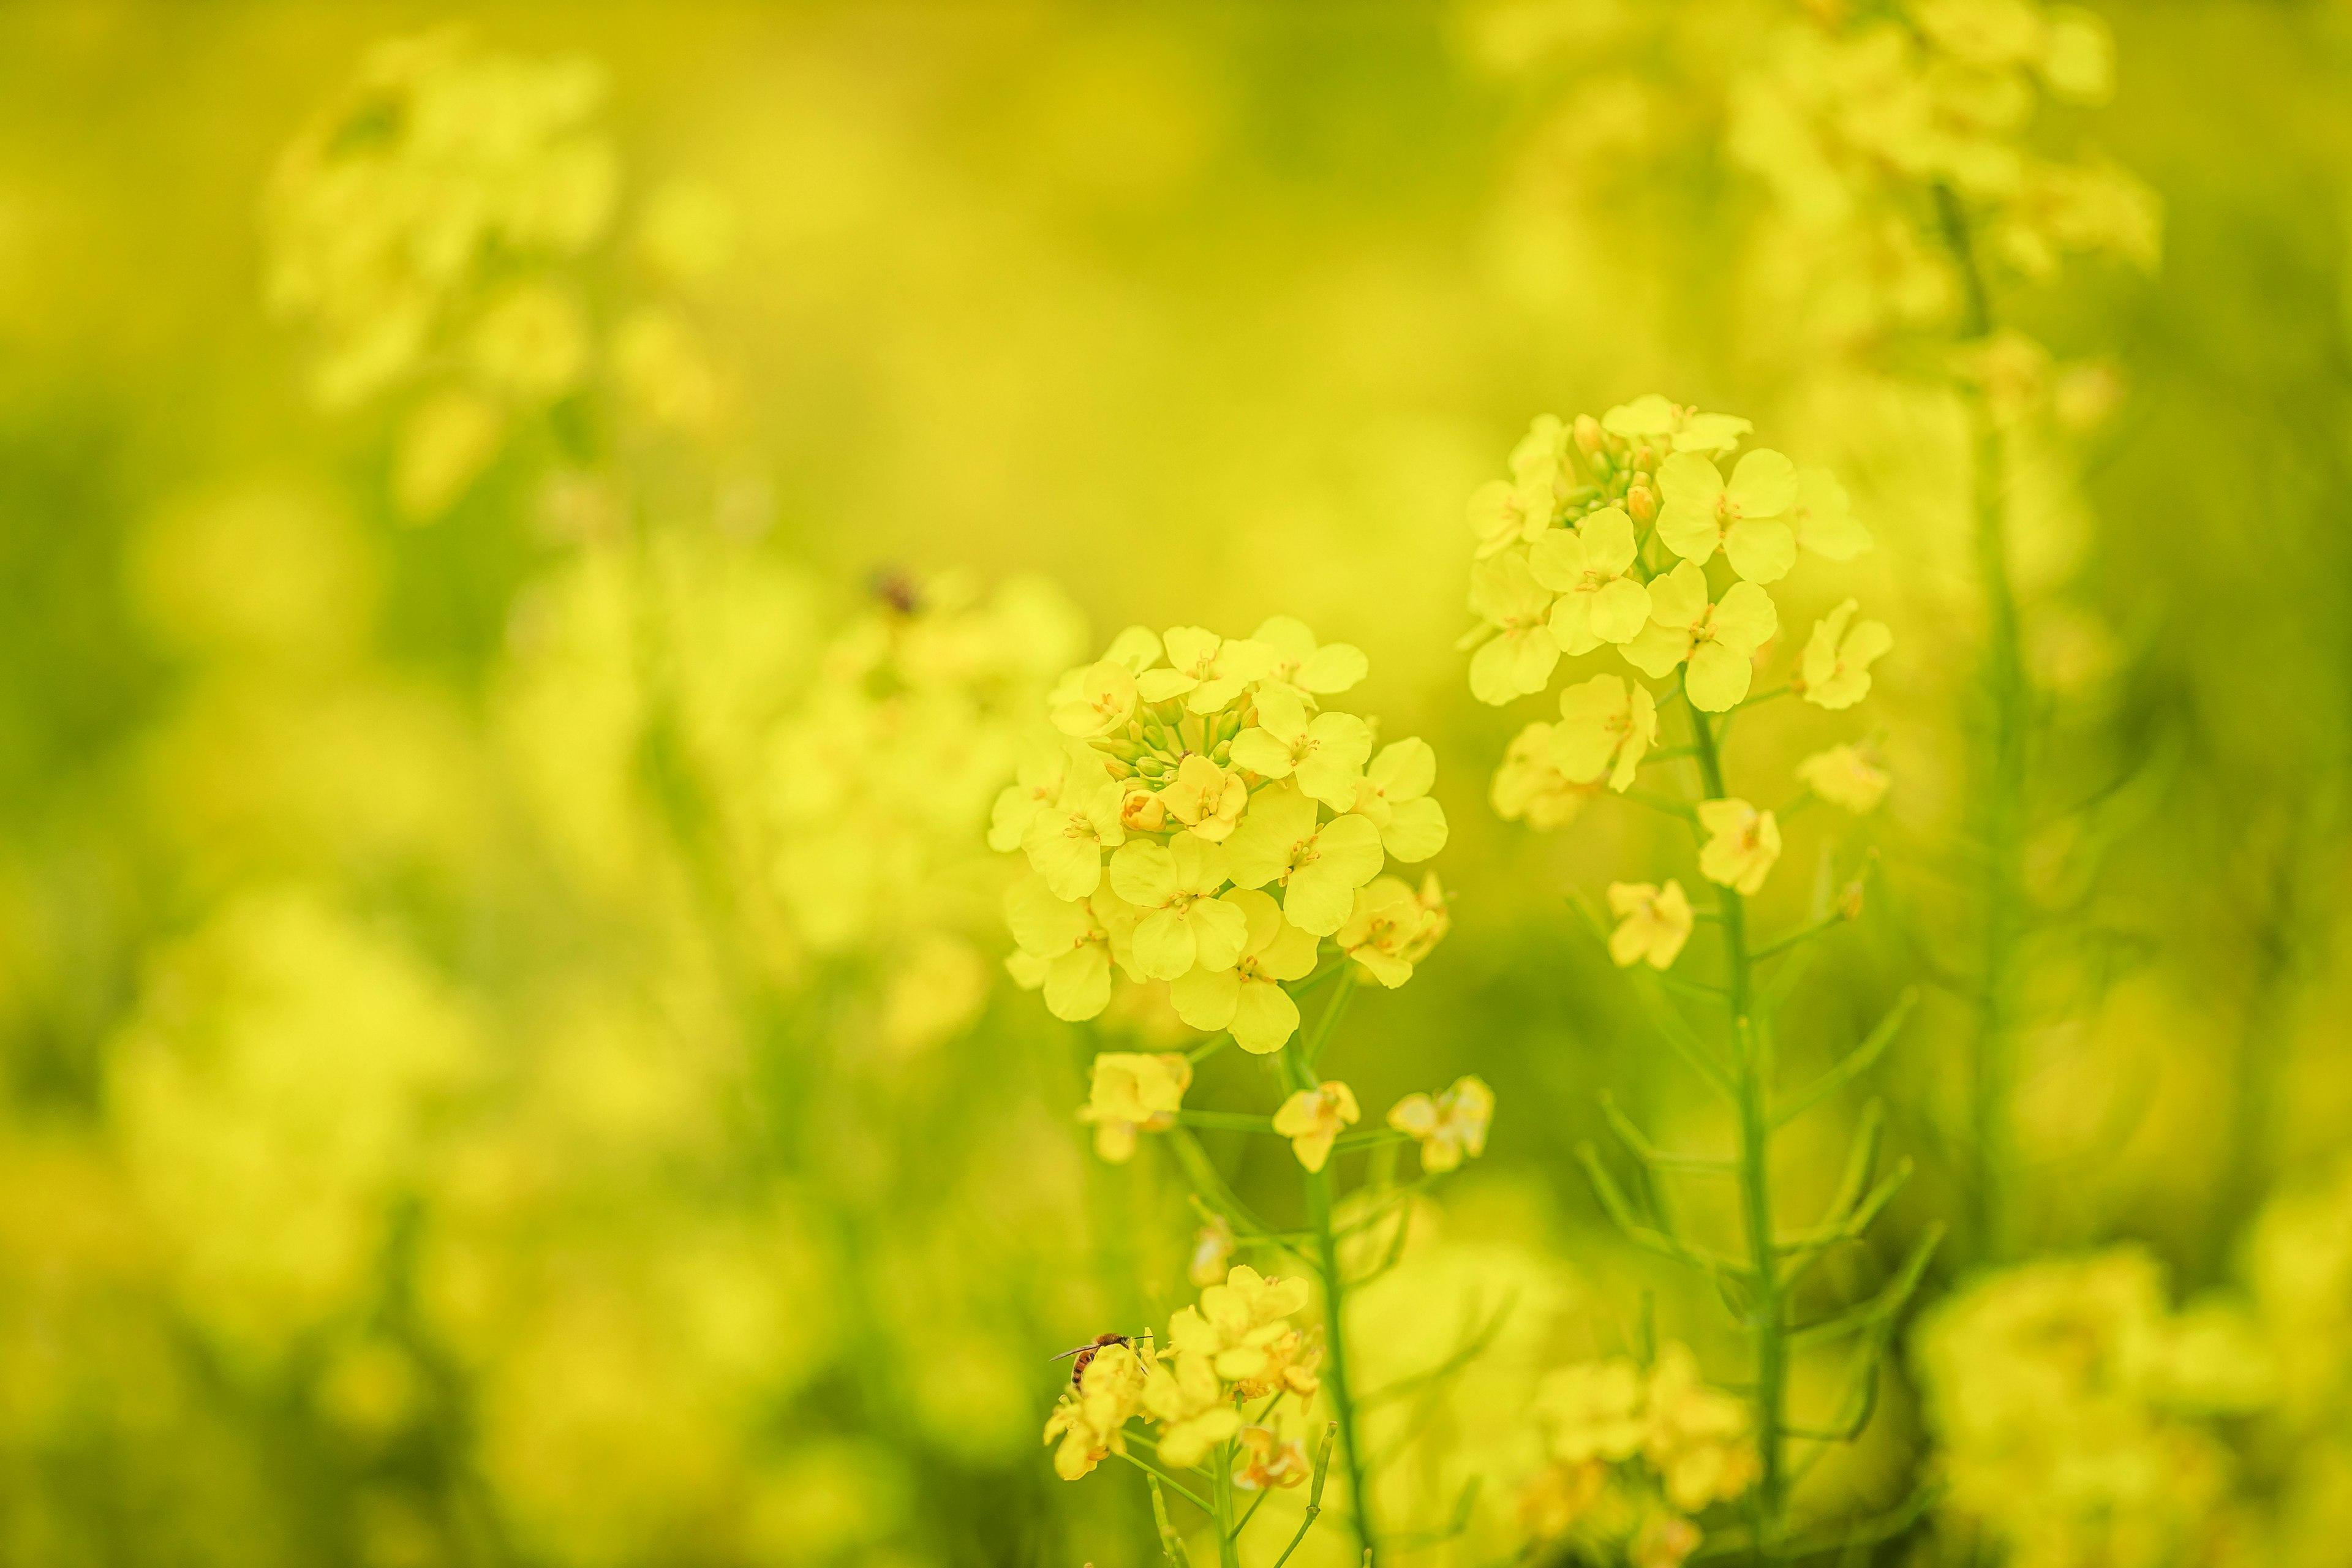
x: 1719, y: 640
x: 1448, y: 1126
x: 1837, y: 661
x: 1070, y: 943
x: 1194, y: 1411
x: 1184, y: 922
x: 1313, y: 1117
x: 1844, y: 776
x: 1302, y: 666
x: 1100, y: 700
x: 1066, y: 844
x: 1319, y: 865
x: 1741, y: 845
x: 1744, y: 517
x: 1590, y: 567
x: 1091, y: 1417
x: 1241, y: 1329
x: 1393, y: 796
x: 1204, y: 797
x: 1325, y: 754
x: 1133, y: 1092
x: 1268, y: 1461
x: 1530, y: 784
x: 1389, y: 930
x: 1520, y: 655
x: 1205, y: 669
x: 1653, y: 923
x: 1247, y: 996
x: 1607, y: 725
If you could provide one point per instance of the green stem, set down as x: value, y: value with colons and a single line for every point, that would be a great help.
x: 1229, y: 1551
x: 2002, y: 800
x: 1767, y: 1319
x: 1297, y: 1062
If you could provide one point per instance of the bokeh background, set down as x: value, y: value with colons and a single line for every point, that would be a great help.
x: 505, y: 1055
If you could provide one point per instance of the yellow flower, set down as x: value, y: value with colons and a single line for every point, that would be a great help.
x: 1325, y: 754
x: 1606, y: 726
x: 1091, y: 1417
x: 1594, y: 1410
x: 1247, y: 995
x: 1519, y: 656
x: 1389, y: 930
x: 1133, y: 1092
x: 1303, y: 667
x: 1205, y: 669
x: 1718, y: 640
x: 1065, y: 845
x: 1530, y: 784
x: 1242, y: 1328
x: 1652, y: 923
x: 1184, y: 923
x: 1319, y: 866
x: 1070, y: 945
x: 1742, y: 845
x: 1665, y: 1539
x: 1697, y: 1437
x: 444, y: 446
x: 1098, y: 700
x: 1394, y: 796
x: 531, y: 343
x: 1436, y: 919
x: 1269, y: 1462
x: 1824, y: 518
x: 1551, y: 1504
x: 1452, y: 1125
x: 1206, y: 798
x: 1837, y: 661
x: 1652, y: 417
x: 1844, y: 776
x: 1312, y: 1118
x: 1504, y: 512
x: 1587, y: 566
x: 1700, y: 511
x: 1038, y: 785
x: 1194, y: 1411
x: 1213, y: 1251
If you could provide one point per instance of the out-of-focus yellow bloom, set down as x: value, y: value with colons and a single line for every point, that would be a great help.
x: 1037, y: 786
x: 1560, y: 1497
x: 1744, y: 517
x: 1390, y: 929
x: 1319, y: 865
x: 1194, y: 1410
x: 1450, y: 1126
x: 1607, y: 724
x: 1247, y: 996
x: 1241, y: 1329
x: 1822, y: 516
x: 1742, y: 843
x: 1268, y: 1461
x: 1844, y: 776
x: 1520, y: 654
x: 1718, y: 640
x: 1695, y: 1437
x: 1594, y: 1410
x: 1590, y: 567
x: 1091, y: 1418
x: 1394, y: 797
x: 1652, y: 923
x: 1652, y: 417
x: 1837, y: 661
x: 531, y: 343
x: 1101, y: 700
x: 1068, y: 945
x: 1325, y: 754
x: 665, y: 375
x: 1213, y: 1251
x: 1133, y: 1092
x: 444, y: 444
x: 1304, y: 666
x: 1207, y: 670
x: 1505, y: 513
x: 1664, y: 1541
x: 1066, y: 844
x: 1531, y: 783
x: 1313, y: 1117
x: 1184, y: 922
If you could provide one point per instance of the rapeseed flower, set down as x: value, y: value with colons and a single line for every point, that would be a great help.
x: 1247, y: 996
x: 1607, y: 725
x: 1269, y: 1462
x: 1184, y: 923
x: 1531, y: 783
x: 1132, y: 1093
x: 1591, y: 566
x: 1845, y: 776
x: 1701, y: 511
x: 1037, y: 788
x: 1091, y: 1416
x: 1448, y: 1126
x: 1717, y: 640
x: 1742, y: 843
x: 1318, y: 865
x: 1695, y: 1437
x: 1325, y: 754
x: 1312, y: 1118
x: 1302, y: 666
x: 1194, y: 1410
x: 1066, y: 844
x: 1822, y: 518
x: 1100, y: 700
x: 1206, y: 671
x: 1241, y: 1329
x: 1390, y: 929
x: 1067, y: 945
x: 1506, y: 513
x: 1394, y: 797
x: 1653, y: 923
x: 1520, y: 653
x: 1594, y: 1410
x: 1837, y: 661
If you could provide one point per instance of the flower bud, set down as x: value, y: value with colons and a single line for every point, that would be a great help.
x: 1850, y: 901
x: 1588, y: 435
x: 1642, y: 503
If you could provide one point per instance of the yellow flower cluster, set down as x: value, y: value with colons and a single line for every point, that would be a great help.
x: 2074, y: 1410
x: 1239, y: 1344
x: 1202, y: 819
x: 429, y: 227
x: 1608, y: 534
x: 1853, y: 103
x: 1634, y: 1454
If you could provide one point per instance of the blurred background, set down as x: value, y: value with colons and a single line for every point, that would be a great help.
x: 506, y: 1053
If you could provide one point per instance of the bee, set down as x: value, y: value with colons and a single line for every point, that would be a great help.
x: 1091, y: 1349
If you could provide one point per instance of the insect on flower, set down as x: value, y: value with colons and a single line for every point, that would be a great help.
x: 1094, y: 1347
